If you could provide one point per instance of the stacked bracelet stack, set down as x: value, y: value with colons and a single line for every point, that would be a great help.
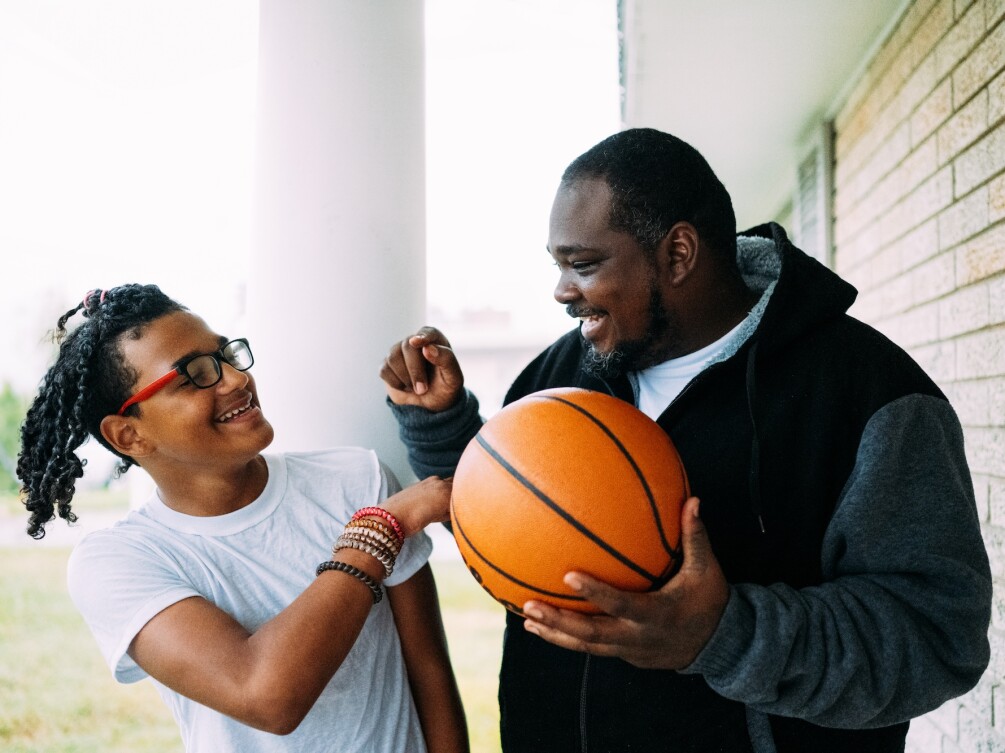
x: 368, y: 532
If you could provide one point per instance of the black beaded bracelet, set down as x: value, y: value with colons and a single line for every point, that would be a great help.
x: 344, y: 567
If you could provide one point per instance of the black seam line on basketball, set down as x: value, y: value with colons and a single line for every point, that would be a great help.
x: 503, y: 573
x: 667, y: 546
x: 563, y: 514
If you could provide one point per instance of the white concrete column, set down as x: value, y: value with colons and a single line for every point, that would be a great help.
x: 338, y: 264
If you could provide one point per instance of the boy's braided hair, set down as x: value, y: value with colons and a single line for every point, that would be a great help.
x: 89, y: 380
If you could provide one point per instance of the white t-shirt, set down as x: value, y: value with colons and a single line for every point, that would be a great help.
x: 253, y: 563
x: 660, y: 384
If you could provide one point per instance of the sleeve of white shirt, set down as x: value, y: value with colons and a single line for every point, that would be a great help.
x: 118, y: 586
x: 417, y: 548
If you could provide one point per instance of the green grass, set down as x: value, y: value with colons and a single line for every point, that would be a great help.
x: 115, y: 498
x: 57, y: 695
x: 474, y: 623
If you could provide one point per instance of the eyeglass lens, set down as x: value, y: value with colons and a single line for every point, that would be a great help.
x: 205, y: 370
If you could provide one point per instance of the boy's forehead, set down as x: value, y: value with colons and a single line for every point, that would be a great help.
x: 167, y: 339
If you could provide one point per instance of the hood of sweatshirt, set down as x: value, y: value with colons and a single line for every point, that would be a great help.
x: 804, y: 293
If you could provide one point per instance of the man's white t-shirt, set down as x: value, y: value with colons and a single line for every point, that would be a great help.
x: 253, y: 563
x: 659, y: 385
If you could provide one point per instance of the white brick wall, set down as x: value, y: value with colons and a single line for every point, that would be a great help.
x: 920, y: 230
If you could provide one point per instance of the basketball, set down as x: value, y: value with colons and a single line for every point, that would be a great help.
x: 568, y: 479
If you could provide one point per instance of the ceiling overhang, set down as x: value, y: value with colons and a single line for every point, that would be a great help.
x: 747, y: 82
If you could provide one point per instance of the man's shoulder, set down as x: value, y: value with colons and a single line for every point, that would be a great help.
x: 846, y: 351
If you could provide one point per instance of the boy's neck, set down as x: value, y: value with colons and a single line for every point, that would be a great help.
x: 205, y: 493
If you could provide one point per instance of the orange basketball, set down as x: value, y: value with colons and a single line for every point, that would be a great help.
x: 568, y: 479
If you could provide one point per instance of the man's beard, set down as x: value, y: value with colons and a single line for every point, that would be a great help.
x: 634, y: 355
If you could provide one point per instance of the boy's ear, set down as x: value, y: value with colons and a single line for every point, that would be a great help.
x: 121, y: 433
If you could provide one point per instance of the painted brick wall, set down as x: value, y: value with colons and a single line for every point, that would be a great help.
x: 920, y: 229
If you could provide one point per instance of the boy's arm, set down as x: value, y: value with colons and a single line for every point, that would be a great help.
x: 424, y: 646
x: 270, y: 679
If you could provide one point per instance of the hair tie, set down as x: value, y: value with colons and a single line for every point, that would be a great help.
x: 91, y: 292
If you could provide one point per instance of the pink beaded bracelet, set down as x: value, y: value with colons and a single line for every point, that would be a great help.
x: 381, y: 513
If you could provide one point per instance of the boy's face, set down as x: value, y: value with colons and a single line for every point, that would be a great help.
x: 189, y: 427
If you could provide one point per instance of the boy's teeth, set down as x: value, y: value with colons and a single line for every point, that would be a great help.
x: 227, y: 416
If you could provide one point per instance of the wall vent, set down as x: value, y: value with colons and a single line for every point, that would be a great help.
x: 813, y: 203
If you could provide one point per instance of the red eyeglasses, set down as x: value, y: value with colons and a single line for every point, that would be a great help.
x: 203, y: 370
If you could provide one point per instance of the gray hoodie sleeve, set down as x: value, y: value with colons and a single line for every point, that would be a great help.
x: 435, y: 441
x: 900, y: 623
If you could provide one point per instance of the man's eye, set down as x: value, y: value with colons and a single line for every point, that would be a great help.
x: 581, y: 266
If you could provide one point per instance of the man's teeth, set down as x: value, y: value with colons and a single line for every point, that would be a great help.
x: 227, y: 416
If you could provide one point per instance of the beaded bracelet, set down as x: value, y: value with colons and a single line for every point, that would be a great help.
x: 383, y: 557
x: 369, y: 524
x: 381, y: 513
x: 355, y: 572
x: 371, y: 547
x: 385, y: 538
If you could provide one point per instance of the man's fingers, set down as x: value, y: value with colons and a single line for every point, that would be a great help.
x: 595, y: 634
x: 564, y: 640
x: 420, y: 353
x: 407, y: 368
x: 698, y: 553
x: 422, y: 370
x: 416, y: 366
x: 390, y: 377
x: 610, y: 600
x: 428, y: 336
x: 444, y: 360
x: 395, y: 373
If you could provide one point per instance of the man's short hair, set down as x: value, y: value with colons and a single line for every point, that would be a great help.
x: 658, y: 180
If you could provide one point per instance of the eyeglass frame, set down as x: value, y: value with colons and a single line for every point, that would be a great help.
x: 181, y: 370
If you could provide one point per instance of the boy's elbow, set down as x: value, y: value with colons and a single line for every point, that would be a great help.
x: 284, y: 724
x: 276, y: 714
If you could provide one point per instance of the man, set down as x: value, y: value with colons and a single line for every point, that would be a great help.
x: 835, y: 584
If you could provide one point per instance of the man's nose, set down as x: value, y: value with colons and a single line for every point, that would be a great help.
x: 566, y: 291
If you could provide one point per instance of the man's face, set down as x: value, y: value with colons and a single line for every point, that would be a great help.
x: 609, y: 282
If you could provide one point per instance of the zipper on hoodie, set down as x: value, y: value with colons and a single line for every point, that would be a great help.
x: 582, y: 705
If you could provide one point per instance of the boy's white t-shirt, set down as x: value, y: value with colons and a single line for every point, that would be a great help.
x: 253, y: 563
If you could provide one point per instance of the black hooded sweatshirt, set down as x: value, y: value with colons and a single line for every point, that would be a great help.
x: 838, y: 502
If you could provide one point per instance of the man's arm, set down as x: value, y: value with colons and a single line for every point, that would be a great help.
x: 436, y: 416
x: 900, y: 624
x: 435, y: 441
x: 898, y: 627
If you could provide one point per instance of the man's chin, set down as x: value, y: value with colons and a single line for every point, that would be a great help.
x: 602, y: 364
x: 632, y: 355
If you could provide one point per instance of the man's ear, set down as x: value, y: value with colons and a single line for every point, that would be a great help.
x: 679, y: 252
x: 122, y: 434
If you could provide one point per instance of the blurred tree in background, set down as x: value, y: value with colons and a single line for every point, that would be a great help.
x: 13, y: 408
